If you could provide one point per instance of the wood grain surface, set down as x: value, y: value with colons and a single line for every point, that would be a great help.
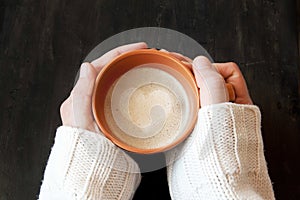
x: 42, y: 44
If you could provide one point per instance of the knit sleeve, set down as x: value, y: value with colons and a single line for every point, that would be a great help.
x: 223, y: 158
x: 86, y: 165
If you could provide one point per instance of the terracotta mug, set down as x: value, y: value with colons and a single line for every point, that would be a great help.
x: 146, y: 101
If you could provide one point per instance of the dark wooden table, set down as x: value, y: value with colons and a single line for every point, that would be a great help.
x: 42, y: 44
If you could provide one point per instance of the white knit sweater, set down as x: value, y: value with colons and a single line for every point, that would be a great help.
x: 86, y: 165
x: 222, y: 159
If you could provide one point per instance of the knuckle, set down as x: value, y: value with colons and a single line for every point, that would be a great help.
x: 235, y: 70
x: 118, y: 51
x: 64, y: 107
x: 76, y: 92
x: 234, y: 65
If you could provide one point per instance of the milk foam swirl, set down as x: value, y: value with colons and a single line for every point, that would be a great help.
x: 147, y: 103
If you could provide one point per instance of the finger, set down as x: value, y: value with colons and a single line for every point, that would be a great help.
x: 233, y: 75
x: 164, y: 50
x: 85, y: 83
x: 66, y: 113
x: 184, y: 59
x: 81, y: 96
x: 211, y: 83
x: 181, y: 57
x: 107, y: 57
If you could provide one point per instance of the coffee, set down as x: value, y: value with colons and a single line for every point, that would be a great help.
x: 147, y: 107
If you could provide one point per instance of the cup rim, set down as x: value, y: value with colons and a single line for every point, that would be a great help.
x: 188, y: 75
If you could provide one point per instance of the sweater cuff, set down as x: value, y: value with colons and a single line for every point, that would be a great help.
x: 223, y: 157
x: 236, y: 134
x: 83, y: 164
x: 230, y: 106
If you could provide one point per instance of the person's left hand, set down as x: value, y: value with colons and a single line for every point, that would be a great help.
x: 76, y: 110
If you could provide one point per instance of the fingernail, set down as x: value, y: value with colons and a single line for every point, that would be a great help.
x: 202, y: 62
x: 84, y: 68
x: 186, y: 62
x: 163, y: 50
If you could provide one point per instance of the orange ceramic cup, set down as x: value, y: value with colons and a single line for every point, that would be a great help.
x: 106, y: 114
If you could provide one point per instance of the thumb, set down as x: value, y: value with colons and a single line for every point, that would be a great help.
x: 85, y: 83
x: 211, y: 83
x: 82, y: 97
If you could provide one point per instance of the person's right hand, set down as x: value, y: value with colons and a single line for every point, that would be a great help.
x: 233, y: 75
x: 211, y: 79
x: 225, y: 146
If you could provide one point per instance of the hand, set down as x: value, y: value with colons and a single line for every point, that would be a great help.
x: 211, y: 79
x: 76, y: 110
x: 233, y: 75
x: 216, y: 145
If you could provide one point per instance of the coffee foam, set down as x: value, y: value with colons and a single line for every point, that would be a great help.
x: 147, y: 107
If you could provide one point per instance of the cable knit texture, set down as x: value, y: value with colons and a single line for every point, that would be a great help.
x: 223, y: 158
x: 86, y: 165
